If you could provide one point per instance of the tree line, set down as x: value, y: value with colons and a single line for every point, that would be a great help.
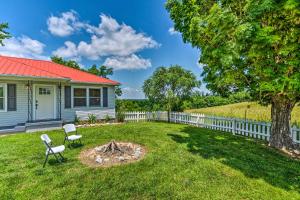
x: 197, y: 100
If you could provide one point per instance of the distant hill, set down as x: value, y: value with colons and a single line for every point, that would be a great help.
x: 255, y: 112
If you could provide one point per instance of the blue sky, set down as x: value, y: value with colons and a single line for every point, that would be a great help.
x: 132, y: 36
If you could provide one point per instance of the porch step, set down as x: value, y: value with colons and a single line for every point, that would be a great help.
x: 43, y: 126
x: 12, y: 129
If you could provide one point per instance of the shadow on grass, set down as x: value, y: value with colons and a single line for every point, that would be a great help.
x: 251, y: 157
x: 74, y: 145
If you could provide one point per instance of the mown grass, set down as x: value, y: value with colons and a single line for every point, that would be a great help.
x: 255, y: 112
x: 183, y: 162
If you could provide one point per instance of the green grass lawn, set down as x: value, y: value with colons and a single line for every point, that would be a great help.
x: 183, y: 162
x: 255, y: 112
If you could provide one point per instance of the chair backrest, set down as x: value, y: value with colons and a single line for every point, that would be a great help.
x: 47, y: 141
x: 69, y: 128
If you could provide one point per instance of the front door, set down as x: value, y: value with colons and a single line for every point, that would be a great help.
x: 44, y: 102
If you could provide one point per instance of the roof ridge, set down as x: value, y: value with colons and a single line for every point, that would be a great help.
x: 10, y: 58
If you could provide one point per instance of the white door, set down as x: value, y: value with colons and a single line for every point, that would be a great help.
x: 44, y: 102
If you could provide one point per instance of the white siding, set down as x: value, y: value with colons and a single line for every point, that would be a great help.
x: 11, y: 118
x: 69, y: 114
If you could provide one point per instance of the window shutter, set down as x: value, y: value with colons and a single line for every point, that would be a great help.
x: 11, y: 97
x: 105, y: 97
x: 67, y: 96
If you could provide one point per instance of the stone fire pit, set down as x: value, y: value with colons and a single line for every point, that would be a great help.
x: 113, y: 153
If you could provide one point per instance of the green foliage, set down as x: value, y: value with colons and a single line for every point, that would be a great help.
x: 120, y: 116
x: 118, y: 91
x: 93, y: 70
x: 245, y: 44
x: 209, y: 164
x: 107, y: 118
x: 92, y: 119
x: 202, y: 101
x: 170, y: 86
x: 102, y: 71
x: 76, y: 119
x: 134, y: 105
x: 3, y: 34
x: 68, y: 63
x: 196, y: 100
x: 105, y: 71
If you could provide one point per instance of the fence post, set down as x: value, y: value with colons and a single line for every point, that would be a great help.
x: 234, y: 127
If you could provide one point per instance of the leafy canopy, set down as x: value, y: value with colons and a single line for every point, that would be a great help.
x: 170, y: 86
x: 249, y: 45
x: 68, y: 63
x: 102, y: 71
x: 3, y: 34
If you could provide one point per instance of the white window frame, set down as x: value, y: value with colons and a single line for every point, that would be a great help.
x: 87, y: 96
x: 4, y: 85
x: 101, y: 96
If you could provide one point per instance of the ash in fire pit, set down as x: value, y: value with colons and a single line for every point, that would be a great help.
x: 113, y: 153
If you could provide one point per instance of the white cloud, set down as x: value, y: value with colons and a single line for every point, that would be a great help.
x: 24, y: 47
x: 132, y: 93
x: 129, y: 62
x: 109, y: 39
x: 68, y: 51
x: 65, y: 24
x: 172, y: 31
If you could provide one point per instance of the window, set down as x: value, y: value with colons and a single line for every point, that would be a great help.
x: 79, y: 97
x: 95, y: 97
x: 44, y: 91
x: 11, y: 97
x: 2, y: 97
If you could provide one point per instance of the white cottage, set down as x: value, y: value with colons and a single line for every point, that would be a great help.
x: 37, y: 94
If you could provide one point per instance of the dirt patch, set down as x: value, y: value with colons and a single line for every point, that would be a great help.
x: 111, y: 154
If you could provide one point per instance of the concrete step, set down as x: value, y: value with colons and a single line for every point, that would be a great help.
x: 12, y: 129
x: 43, y: 126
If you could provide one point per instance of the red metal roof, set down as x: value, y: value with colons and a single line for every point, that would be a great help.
x: 12, y: 66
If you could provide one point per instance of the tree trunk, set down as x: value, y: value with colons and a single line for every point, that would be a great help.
x: 280, y: 129
x: 169, y: 116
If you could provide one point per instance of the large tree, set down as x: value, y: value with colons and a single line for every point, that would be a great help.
x: 249, y: 45
x: 3, y: 34
x: 170, y: 86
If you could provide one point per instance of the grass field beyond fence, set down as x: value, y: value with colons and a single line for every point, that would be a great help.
x: 237, y: 110
x: 182, y: 162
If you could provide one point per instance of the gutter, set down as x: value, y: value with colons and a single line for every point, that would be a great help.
x: 9, y: 76
x: 96, y: 83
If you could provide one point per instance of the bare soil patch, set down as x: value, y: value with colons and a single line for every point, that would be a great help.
x: 111, y: 154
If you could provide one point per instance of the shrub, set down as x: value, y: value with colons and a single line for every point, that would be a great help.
x: 120, y: 116
x: 92, y: 119
x: 76, y: 119
x: 107, y: 118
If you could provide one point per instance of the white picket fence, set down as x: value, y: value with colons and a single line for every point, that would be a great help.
x: 249, y: 128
